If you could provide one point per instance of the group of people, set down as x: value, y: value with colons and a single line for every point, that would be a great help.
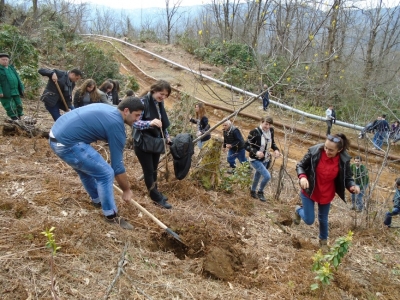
x: 58, y: 93
x: 383, y: 132
x: 73, y: 132
x: 259, y: 141
x: 323, y: 172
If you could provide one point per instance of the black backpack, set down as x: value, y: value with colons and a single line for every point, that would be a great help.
x: 182, y: 150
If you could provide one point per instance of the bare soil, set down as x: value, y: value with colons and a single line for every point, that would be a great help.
x: 234, y: 247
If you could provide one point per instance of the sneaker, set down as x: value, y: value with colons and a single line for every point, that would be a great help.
x: 120, y: 221
x: 253, y: 194
x: 296, y: 218
x: 231, y: 171
x: 96, y: 205
x: 323, y: 244
x: 260, y: 195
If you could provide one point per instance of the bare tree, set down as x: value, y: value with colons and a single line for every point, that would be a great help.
x: 171, y: 16
x: 2, y: 4
x: 225, y: 13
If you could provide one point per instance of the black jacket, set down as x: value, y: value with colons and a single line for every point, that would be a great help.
x: 309, y: 164
x: 203, y: 126
x: 253, y: 143
x: 150, y: 112
x: 234, y: 137
x: 50, y: 94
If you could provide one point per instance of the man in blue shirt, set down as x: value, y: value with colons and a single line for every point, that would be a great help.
x: 396, y: 205
x: 70, y: 139
x: 382, y: 132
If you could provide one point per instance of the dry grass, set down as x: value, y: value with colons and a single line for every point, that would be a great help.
x: 235, y: 248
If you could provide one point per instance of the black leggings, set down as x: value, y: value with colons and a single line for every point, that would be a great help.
x: 149, y: 163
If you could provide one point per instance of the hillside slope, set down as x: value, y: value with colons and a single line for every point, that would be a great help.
x: 235, y: 247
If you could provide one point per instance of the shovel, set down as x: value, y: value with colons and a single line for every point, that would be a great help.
x: 159, y: 223
x: 62, y: 96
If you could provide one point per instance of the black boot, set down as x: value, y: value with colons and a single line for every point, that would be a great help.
x: 260, y: 195
x: 253, y: 194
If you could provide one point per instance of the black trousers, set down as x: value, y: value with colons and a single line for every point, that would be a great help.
x: 329, y: 123
x: 149, y: 163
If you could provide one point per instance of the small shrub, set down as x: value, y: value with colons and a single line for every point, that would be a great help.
x: 325, y: 265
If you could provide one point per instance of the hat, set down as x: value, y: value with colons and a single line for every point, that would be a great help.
x: 4, y: 55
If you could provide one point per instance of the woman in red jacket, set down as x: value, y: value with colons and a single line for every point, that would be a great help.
x: 324, y: 171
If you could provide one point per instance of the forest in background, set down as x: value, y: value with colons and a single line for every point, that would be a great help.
x: 310, y: 53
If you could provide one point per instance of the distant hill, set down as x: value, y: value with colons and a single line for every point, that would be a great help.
x: 142, y: 17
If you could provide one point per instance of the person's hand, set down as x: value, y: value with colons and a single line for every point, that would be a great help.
x: 259, y: 154
x: 304, y: 183
x: 355, y: 189
x: 277, y: 154
x: 127, y: 195
x: 169, y: 141
x: 54, y: 77
x: 198, y: 133
x: 228, y: 146
x: 1, y: 95
x: 156, y: 122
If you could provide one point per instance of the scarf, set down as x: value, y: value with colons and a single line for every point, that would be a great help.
x: 266, y: 143
x: 68, y: 87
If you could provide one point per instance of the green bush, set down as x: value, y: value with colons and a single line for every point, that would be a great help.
x: 92, y: 60
x: 227, y: 54
x: 187, y: 43
x: 133, y: 84
x: 148, y: 36
x: 23, y: 56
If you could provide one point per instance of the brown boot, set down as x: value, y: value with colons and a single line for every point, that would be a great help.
x: 323, y: 244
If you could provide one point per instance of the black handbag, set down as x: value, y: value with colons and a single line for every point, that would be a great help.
x: 50, y: 98
x: 151, y: 144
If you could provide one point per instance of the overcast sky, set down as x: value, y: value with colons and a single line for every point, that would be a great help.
x: 131, y: 4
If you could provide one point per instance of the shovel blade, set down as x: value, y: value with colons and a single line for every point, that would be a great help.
x: 174, y: 235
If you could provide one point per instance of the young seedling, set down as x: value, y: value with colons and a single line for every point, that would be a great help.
x: 51, y: 244
x: 325, y: 265
x: 51, y: 241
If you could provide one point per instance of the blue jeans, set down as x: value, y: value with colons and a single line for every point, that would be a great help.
x: 55, y: 110
x: 261, y: 170
x: 357, y: 199
x: 308, y: 215
x: 388, y: 218
x: 232, y: 155
x: 96, y: 174
x: 200, y: 144
x: 378, y: 139
x: 265, y: 100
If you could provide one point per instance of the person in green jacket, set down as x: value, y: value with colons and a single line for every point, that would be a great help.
x: 361, y: 178
x: 11, y: 88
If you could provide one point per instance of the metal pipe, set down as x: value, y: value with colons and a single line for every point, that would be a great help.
x: 284, y: 106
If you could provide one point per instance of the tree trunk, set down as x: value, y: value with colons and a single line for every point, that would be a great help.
x: 332, y: 34
x: 2, y: 4
x: 208, y: 165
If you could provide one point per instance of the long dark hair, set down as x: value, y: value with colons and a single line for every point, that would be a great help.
x: 160, y: 85
x: 202, y: 110
x: 342, y: 144
x: 105, y: 85
x: 94, y: 95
